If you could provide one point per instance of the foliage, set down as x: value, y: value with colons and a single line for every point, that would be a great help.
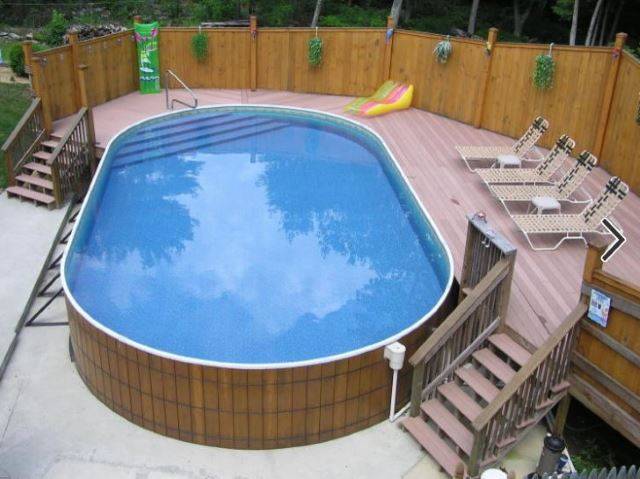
x: 55, y: 30
x: 563, y: 8
x: 215, y: 10
x: 200, y: 46
x: 543, y: 72
x: 315, y: 51
x: 14, y: 98
x: 277, y: 14
x: 15, y: 57
x: 443, y: 49
x: 353, y: 16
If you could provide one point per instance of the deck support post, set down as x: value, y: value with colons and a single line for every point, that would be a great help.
x: 38, y: 67
x: 416, y: 388
x: 562, y: 412
x: 84, y: 102
x: 609, y: 89
x: 72, y: 35
x: 388, y: 50
x: 492, y: 39
x: 253, y: 70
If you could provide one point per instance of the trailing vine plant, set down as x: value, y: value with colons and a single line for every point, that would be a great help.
x: 200, y: 46
x: 544, y: 70
x: 315, y: 50
x: 443, y: 49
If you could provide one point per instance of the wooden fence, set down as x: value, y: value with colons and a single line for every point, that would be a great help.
x: 606, y: 362
x: 487, y: 84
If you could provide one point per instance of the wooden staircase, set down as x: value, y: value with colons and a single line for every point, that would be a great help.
x: 34, y: 181
x: 444, y: 426
x: 477, y: 385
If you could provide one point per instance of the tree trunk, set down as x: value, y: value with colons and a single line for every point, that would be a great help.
x: 603, y: 25
x: 316, y: 14
x: 395, y: 11
x: 574, y: 23
x: 408, y: 10
x: 519, y: 18
x: 592, y: 23
x: 473, y: 15
x: 616, y: 21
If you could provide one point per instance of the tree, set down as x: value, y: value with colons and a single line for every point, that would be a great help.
x: 589, y: 40
x: 395, y: 11
x: 473, y: 15
x: 574, y: 22
x: 316, y: 14
x: 520, y: 16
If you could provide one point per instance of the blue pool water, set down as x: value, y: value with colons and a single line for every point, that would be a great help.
x: 253, y: 236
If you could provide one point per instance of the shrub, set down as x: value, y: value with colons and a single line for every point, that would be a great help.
x: 55, y: 30
x: 16, y: 57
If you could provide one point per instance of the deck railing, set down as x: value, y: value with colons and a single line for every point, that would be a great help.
x: 24, y: 139
x: 534, y: 389
x: 479, y: 314
x: 73, y: 161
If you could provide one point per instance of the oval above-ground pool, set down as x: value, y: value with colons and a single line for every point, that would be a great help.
x: 236, y: 272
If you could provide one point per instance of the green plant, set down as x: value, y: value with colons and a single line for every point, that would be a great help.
x: 543, y: 72
x: 315, y: 51
x: 15, y: 57
x: 55, y: 30
x: 443, y: 50
x: 200, y: 46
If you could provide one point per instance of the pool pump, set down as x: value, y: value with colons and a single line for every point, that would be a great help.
x: 394, y: 352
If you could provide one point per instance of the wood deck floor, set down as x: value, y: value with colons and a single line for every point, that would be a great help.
x: 546, y: 284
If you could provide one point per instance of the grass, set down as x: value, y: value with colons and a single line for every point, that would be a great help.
x: 15, y: 99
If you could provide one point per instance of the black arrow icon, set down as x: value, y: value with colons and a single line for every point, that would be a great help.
x: 616, y: 245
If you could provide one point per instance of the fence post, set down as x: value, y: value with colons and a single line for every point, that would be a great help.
x: 492, y: 38
x: 72, y: 35
x: 27, y: 50
x: 388, y: 49
x: 253, y: 31
x: 609, y: 89
x: 84, y: 102
x: 37, y: 68
x: 592, y: 261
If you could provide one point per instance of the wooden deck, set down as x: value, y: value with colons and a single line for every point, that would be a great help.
x: 546, y: 284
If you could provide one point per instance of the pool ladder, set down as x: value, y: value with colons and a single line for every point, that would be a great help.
x: 167, y: 77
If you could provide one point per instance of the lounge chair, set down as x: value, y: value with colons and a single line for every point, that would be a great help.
x: 523, y: 149
x: 563, y: 190
x: 574, y: 226
x: 540, y: 174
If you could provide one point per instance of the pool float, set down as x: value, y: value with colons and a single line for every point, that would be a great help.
x: 391, y: 96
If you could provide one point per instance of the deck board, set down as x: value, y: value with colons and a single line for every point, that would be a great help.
x: 546, y: 284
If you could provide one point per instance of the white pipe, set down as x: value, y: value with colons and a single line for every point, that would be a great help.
x: 392, y: 408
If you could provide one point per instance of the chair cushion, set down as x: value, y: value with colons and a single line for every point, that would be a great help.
x: 508, y: 160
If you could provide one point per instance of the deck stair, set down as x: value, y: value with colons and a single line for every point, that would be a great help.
x: 478, y: 386
x: 46, y: 168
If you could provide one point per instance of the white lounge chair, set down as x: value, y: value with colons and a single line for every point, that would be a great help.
x: 574, y: 226
x: 540, y: 174
x: 523, y: 149
x: 563, y: 190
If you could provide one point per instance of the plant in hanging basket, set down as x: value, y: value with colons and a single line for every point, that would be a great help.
x: 200, y: 46
x: 442, y: 51
x: 315, y: 51
x: 543, y: 72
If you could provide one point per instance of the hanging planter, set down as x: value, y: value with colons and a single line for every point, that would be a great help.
x: 200, y: 46
x: 443, y: 50
x: 315, y: 50
x: 544, y: 70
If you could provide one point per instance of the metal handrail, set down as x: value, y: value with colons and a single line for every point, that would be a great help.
x: 169, y: 74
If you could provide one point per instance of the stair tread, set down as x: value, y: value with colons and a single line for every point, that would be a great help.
x: 476, y: 381
x: 494, y: 364
x: 35, y: 180
x: 50, y: 143
x: 42, y: 155
x: 460, y: 400
x: 449, y: 424
x: 30, y: 194
x: 509, y: 347
x: 432, y: 443
x: 38, y: 167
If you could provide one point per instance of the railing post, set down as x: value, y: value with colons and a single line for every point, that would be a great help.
x: 609, y: 89
x: 253, y: 31
x: 592, y: 262
x: 416, y: 388
x: 505, y: 289
x: 388, y: 50
x: 84, y: 101
x: 37, y: 67
x: 8, y: 161
x: 476, y: 452
x: 72, y: 35
x: 492, y: 38
x: 55, y: 177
